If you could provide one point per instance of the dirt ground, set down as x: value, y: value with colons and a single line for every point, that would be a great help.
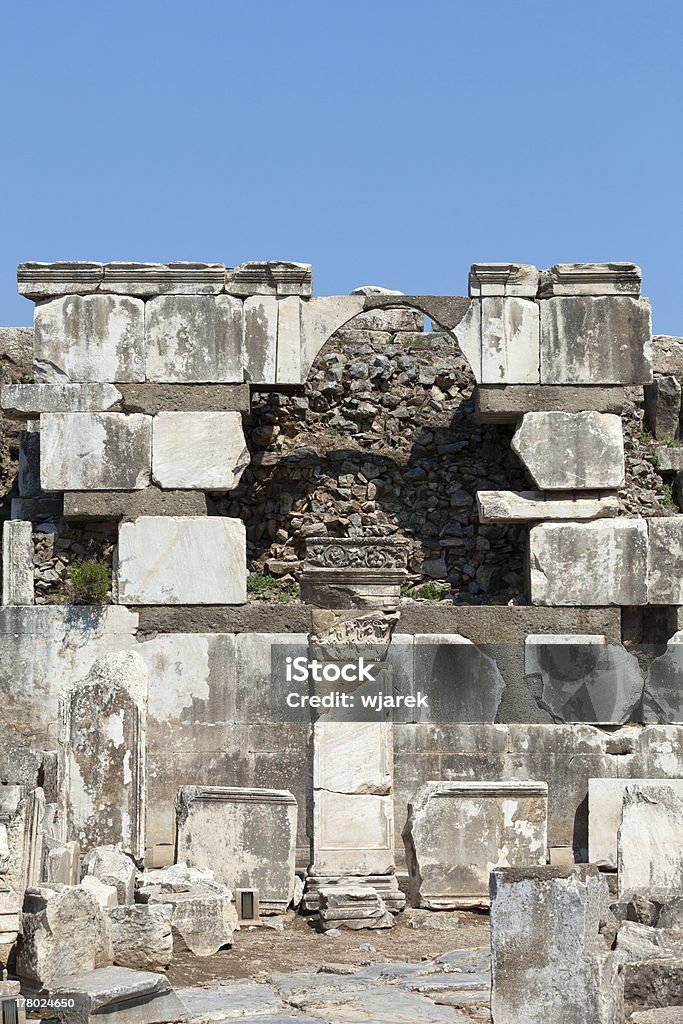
x: 259, y: 952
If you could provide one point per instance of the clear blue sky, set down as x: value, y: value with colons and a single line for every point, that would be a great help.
x: 385, y: 142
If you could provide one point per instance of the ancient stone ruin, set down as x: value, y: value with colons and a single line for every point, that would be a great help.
x: 334, y: 619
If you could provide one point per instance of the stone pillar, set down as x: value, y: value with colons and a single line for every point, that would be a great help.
x: 102, y: 741
x: 353, y: 771
x: 17, y: 563
x: 549, y: 961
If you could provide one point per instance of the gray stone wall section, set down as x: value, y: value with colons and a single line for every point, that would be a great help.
x: 507, y: 403
x: 154, y: 398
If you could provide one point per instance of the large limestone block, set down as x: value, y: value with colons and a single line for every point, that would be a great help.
x: 289, y: 340
x: 102, y: 751
x: 104, y: 894
x: 566, y: 451
x: 605, y: 805
x: 667, y: 355
x: 663, y: 694
x: 650, y: 839
x: 460, y: 682
x: 118, y: 995
x: 596, y: 340
x: 89, y: 338
x: 64, y: 931
x: 457, y: 832
x: 549, y: 961
x: 665, y: 560
x: 141, y: 936
x: 591, y: 279
x: 113, y: 867
x: 352, y: 834
x: 27, y: 401
x: 194, y: 339
x: 182, y: 560
x: 260, y: 339
x: 584, y: 678
x: 507, y: 403
x: 44, y: 648
x: 510, y: 338
x: 17, y: 563
x: 84, y: 451
x: 534, y: 506
x: 589, y: 564
x: 198, y: 450
x: 247, y: 836
x: 518, y: 279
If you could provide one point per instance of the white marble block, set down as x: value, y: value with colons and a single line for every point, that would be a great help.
x: 89, y: 338
x: 572, y: 451
x: 84, y: 451
x: 198, y: 450
x: 650, y: 839
x: 17, y: 562
x: 510, y: 338
x: 457, y: 832
x: 182, y: 560
x: 665, y: 560
x: 605, y: 806
x: 353, y: 834
x: 246, y: 836
x: 24, y: 401
x: 194, y: 339
x: 589, y: 564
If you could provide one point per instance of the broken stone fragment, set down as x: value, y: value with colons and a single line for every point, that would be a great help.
x: 354, y: 908
x: 663, y: 407
x: 118, y: 995
x: 103, y: 893
x: 649, y: 850
x: 64, y: 931
x: 201, y: 923
x: 111, y: 865
x: 141, y: 936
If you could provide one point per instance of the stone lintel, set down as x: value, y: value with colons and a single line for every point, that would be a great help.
x: 446, y: 310
x: 591, y: 279
x: 152, y: 501
x: 534, y: 506
x: 507, y: 403
x: 154, y: 398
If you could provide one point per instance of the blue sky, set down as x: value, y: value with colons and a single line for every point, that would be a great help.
x: 386, y: 143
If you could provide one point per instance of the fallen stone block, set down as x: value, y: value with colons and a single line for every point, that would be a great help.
x: 663, y: 407
x: 534, y: 506
x: 650, y: 840
x: 17, y: 563
x: 596, y: 340
x: 28, y: 401
x: 590, y: 279
x: 247, y: 836
x: 665, y: 560
x: 95, y: 451
x: 201, y: 923
x: 194, y: 339
x: 64, y: 931
x: 112, y: 866
x: 182, y: 560
x: 545, y: 929
x: 118, y: 995
x: 198, y: 450
x: 449, y: 862
x: 584, y: 679
x: 354, y: 908
x: 653, y: 983
x: 605, y: 804
x: 104, y: 894
x: 89, y: 339
x: 385, y: 886
x: 589, y: 564
x: 564, y: 451
x: 141, y: 936
x: 62, y: 864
